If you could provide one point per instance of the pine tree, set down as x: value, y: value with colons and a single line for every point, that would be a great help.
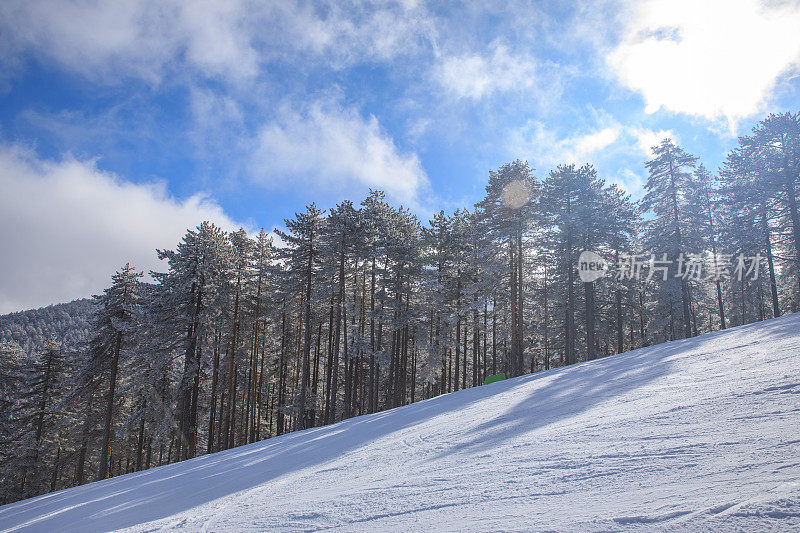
x: 36, y: 413
x: 11, y: 379
x: 774, y: 153
x: 240, y: 257
x: 620, y: 227
x: 668, y: 194
x: 302, y: 255
x: 115, y: 327
x: 340, y: 237
x: 437, y: 250
x: 705, y: 198
x: 508, y: 205
x: 186, y: 306
x: 263, y: 268
x: 377, y: 218
x: 560, y: 199
x: 404, y: 264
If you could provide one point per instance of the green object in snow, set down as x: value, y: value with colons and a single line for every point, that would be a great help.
x: 496, y: 377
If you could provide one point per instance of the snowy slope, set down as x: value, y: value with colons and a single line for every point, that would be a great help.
x: 701, y: 434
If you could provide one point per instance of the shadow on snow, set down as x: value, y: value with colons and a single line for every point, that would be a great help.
x: 167, y: 490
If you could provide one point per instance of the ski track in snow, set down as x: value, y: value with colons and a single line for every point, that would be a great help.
x: 700, y: 434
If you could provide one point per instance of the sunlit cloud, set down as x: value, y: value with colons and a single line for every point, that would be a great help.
x: 228, y: 40
x: 334, y: 149
x: 544, y: 147
x: 593, y: 142
x: 713, y: 59
x: 74, y: 225
x: 647, y: 139
x: 475, y: 76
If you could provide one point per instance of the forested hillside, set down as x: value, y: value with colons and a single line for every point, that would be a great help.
x: 363, y: 307
x: 68, y: 324
x: 693, y: 435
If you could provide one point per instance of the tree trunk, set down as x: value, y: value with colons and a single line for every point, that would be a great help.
x: 231, y: 363
x: 282, y: 374
x: 112, y: 387
x: 334, y: 382
x: 520, y: 330
x: 494, y: 337
x: 458, y: 331
x: 84, y: 448
x: 214, y: 379
x: 773, y: 286
x: 687, y: 320
x: 373, y: 378
x: 302, y: 421
x: 140, y: 440
x: 475, y: 347
x: 618, y: 308
x: 591, y: 343
x: 569, y: 322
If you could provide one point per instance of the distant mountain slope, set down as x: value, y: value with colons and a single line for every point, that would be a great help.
x: 699, y: 434
x: 68, y: 323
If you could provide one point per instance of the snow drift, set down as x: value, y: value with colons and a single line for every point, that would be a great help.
x: 696, y: 434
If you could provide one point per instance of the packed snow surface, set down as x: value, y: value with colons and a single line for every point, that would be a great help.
x: 700, y: 434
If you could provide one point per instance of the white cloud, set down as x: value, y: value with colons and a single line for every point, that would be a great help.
x: 545, y: 148
x: 714, y: 58
x: 594, y: 142
x: 646, y: 139
x: 81, y: 36
x: 227, y: 39
x: 475, y: 76
x: 218, y: 38
x: 69, y: 226
x: 335, y: 150
x: 346, y: 34
x: 617, y: 151
x: 107, y: 40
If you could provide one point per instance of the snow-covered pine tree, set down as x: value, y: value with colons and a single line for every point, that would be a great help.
x: 36, y: 414
x: 775, y: 148
x: 302, y: 258
x: 340, y: 237
x: 114, y: 330
x: 748, y: 212
x: 478, y: 287
x: 148, y: 378
x: 621, y: 224
x: 241, y: 270
x: 377, y: 218
x: 262, y: 258
x: 673, y: 228
x: 12, y: 469
x: 403, y: 252
x: 706, y: 191
x: 561, y: 193
x: 508, y: 205
x: 187, y: 302
x: 459, y: 252
x: 437, y: 255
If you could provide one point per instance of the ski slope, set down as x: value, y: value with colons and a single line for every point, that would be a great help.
x: 701, y: 434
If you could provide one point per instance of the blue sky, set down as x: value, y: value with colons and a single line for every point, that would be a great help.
x: 121, y: 124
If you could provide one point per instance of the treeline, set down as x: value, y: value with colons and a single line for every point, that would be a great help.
x: 362, y: 308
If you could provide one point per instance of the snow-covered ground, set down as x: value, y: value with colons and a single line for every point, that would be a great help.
x: 701, y: 434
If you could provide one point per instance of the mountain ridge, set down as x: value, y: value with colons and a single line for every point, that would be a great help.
x: 67, y: 323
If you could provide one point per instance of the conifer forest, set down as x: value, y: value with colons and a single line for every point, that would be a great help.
x: 361, y: 307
